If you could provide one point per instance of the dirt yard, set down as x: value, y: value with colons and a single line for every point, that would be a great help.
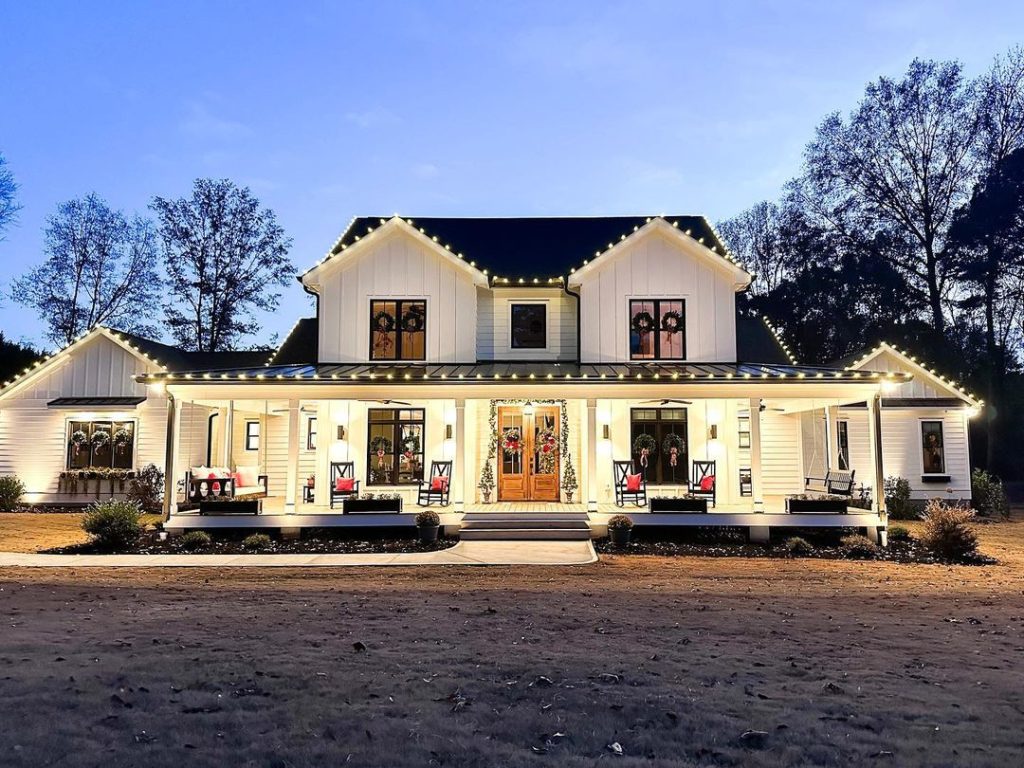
x: 670, y: 660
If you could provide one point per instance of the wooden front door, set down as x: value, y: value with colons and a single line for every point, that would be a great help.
x: 531, y: 472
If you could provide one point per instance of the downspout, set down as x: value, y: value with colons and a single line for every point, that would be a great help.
x: 169, y: 480
x: 579, y: 316
x: 316, y: 296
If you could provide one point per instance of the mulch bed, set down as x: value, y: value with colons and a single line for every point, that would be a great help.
x: 734, y: 544
x: 149, y: 544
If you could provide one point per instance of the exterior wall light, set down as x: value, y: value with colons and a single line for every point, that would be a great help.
x: 341, y: 431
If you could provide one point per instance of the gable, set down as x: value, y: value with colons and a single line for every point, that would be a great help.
x: 926, y: 383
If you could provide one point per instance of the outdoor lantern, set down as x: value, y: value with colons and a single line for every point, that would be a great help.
x: 713, y: 432
x: 447, y: 431
x: 341, y: 431
x: 605, y: 432
x: 528, y: 409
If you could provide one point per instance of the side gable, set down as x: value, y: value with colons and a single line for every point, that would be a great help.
x: 926, y: 384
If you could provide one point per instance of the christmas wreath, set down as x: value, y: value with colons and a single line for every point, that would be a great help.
x: 643, y: 322
x: 673, y: 445
x: 100, y: 438
x: 412, y: 321
x: 512, y: 442
x: 78, y: 439
x: 381, y: 446
x: 122, y: 438
x: 410, y: 445
x: 671, y: 322
x: 645, y: 446
x: 384, y: 322
x: 547, y: 445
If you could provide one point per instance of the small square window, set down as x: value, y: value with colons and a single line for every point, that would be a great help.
x: 529, y: 326
x: 311, y: 434
x: 252, y: 435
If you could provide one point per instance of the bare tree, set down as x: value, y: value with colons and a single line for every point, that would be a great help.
x: 99, y: 269
x: 8, y: 197
x: 754, y: 237
x: 224, y: 257
x: 901, y: 165
x: 1002, y: 109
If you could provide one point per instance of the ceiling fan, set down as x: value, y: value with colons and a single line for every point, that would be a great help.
x: 666, y: 401
x: 388, y: 402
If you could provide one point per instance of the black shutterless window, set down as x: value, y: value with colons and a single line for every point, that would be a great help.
x: 529, y: 326
x: 398, y: 329
x: 657, y: 329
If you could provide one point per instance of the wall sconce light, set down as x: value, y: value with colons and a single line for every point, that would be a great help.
x: 447, y: 431
x: 713, y: 432
x: 341, y: 431
x: 528, y: 409
x: 605, y: 432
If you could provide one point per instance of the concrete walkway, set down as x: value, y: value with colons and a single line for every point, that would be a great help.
x: 463, y: 553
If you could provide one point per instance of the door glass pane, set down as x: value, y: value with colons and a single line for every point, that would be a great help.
x: 510, y: 444
x: 381, y: 453
x: 545, y: 443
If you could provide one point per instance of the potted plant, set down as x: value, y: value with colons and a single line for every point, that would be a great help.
x: 822, y: 505
x: 620, y: 528
x: 372, y: 503
x: 685, y: 503
x: 428, y: 524
x: 569, y: 484
x: 486, y: 484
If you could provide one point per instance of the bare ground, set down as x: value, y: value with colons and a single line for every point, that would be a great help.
x: 837, y: 663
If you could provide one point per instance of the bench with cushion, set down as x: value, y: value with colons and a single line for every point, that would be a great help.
x: 209, y: 483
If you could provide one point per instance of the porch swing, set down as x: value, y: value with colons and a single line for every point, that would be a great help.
x: 836, y: 482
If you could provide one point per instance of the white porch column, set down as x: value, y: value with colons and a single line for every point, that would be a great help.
x: 228, y: 433
x: 170, y: 456
x: 292, y: 481
x: 460, y: 469
x: 832, y: 436
x: 591, y: 491
x: 875, y: 445
x: 326, y: 431
x: 756, y: 482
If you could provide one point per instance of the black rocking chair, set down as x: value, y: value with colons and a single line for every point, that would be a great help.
x: 622, y: 494
x: 428, y: 494
x: 700, y: 472
x: 343, y: 470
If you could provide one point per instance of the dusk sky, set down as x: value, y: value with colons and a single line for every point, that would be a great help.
x: 328, y: 110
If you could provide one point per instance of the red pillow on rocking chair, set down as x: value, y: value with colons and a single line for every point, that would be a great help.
x: 344, y: 484
x: 633, y: 483
x: 439, y: 484
x: 707, y: 484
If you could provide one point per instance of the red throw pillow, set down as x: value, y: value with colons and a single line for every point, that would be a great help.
x: 344, y: 484
x: 237, y: 478
x: 212, y: 476
x: 633, y: 483
x: 707, y: 483
x: 439, y: 484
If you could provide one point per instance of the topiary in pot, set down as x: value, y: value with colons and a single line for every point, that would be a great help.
x: 428, y: 524
x: 620, y: 529
x: 11, y: 491
x: 114, y: 525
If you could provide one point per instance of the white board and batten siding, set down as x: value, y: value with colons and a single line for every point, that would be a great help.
x: 657, y: 267
x: 33, y: 437
x: 494, y: 336
x: 398, y: 266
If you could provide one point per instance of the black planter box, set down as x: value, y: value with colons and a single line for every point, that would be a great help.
x: 242, y: 507
x: 357, y: 506
x: 816, y: 506
x: 665, y: 504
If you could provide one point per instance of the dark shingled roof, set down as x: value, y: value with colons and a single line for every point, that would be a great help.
x: 179, y: 360
x: 528, y: 247
x: 301, y: 345
x: 755, y: 343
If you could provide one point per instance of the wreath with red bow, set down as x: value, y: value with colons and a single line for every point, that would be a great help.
x: 512, y: 442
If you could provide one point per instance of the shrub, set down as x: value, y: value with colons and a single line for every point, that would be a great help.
x: 620, y: 523
x: 147, y: 489
x: 988, y: 496
x: 11, y: 491
x: 797, y: 546
x: 897, y: 499
x: 427, y: 518
x: 194, y: 540
x: 948, y: 532
x: 899, y: 533
x: 858, y: 547
x: 257, y: 542
x: 114, y: 525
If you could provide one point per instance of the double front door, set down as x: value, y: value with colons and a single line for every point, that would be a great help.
x: 528, y: 453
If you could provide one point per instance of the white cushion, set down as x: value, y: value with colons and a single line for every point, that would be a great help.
x: 245, y: 490
x: 200, y: 472
x: 221, y: 471
x: 248, y: 477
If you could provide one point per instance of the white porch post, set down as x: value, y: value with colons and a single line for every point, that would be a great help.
x: 832, y: 436
x: 460, y: 470
x: 325, y: 434
x: 292, y: 482
x: 756, y: 483
x: 875, y: 444
x: 591, y: 456
x: 228, y: 433
x: 170, y: 457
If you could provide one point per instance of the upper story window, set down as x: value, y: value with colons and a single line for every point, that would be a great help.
x: 398, y: 329
x: 101, y: 444
x: 657, y: 329
x: 529, y: 326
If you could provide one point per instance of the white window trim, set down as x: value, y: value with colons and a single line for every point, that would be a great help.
x: 547, y: 324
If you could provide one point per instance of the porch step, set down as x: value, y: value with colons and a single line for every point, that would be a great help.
x: 509, y: 526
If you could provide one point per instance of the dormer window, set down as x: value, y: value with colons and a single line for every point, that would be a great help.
x: 657, y: 329
x: 398, y: 329
x: 529, y: 326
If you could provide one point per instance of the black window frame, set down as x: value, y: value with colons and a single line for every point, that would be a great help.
x: 399, y: 311
x: 660, y: 476
x: 249, y: 436
x: 311, y: 433
x: 92, y: 425
x: 742, y: 435
x: 843, y: 445
x: 397, y: 422
x: 942, y: 447
x: 513, y: 306
x: 657, y: 330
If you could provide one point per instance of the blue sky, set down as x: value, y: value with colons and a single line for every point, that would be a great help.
x: 329, y: 109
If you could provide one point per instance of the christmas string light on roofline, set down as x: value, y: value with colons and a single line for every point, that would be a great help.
x: 778, y: 338
x: 920, y: 364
